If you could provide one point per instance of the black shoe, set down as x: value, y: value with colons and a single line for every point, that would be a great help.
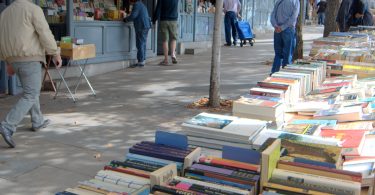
x: 283, y: 66
x: 44, y: 125
x: 228, y: 45
x: 235, y: 43
x: 7, y: 135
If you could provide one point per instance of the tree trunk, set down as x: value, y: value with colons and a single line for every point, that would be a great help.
x: 330, y: 24
x: 214, y: 99
x: 298, y: 51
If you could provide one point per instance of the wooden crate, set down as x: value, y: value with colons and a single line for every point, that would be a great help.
x: 80, y: 52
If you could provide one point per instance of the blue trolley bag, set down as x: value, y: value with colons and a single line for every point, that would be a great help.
x: 244, y: 32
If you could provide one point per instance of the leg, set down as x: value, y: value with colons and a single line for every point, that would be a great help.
x: 277, y: 45
x: 323, y: 18
x: 165, y: 38
x: 233, y: 21
x: 227, y: 28
x: 139, y: 42
x: 30, y: 74
x: 145, y: 35
x: 173, y: 34
x: 288, y: 37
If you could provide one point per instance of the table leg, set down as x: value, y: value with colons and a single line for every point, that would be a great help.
x: 63, y: 80
x: 83, y: 74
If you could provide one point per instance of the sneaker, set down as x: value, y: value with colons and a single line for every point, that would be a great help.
x: 7, y: 135
x: 164, y: 63
x: 44, y: 125
x: 174, y: 60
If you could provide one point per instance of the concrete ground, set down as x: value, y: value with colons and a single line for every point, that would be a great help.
x: 130, y: 105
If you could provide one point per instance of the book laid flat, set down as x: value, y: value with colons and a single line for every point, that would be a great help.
x: 352, y: 141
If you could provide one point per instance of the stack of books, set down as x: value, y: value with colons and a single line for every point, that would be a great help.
x: 215, y: 131
x: 166, y: 181
x: 305, y: 177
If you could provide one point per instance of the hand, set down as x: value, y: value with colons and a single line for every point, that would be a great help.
x: 358, y: 15
x: 57, y: 60
x: 278, y: 30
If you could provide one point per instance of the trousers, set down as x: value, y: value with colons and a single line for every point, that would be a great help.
x: 230, y: 20
x: 141, y: 41
x: 30, y: 74
x: 284, y: 43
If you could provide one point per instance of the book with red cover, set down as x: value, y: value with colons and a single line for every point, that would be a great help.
x: 352, y: 140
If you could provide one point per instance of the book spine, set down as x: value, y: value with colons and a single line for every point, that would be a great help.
x: 232, y: 174
x: 223, y: 162
x: 152, y: 160
x: 222, y: 177
x: 218, y: 181
x: 135, y: 165
x: 173, y: 191
x: 120, y: 170
x: 156, y: 155
x: 314, y: 182
x: 153, y: 149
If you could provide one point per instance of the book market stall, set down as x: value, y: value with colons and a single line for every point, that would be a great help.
x: 98, y: 22
x: 303, y: 130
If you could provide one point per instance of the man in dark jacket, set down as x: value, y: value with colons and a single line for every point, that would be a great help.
x: 342, y: 15
x: 167, y: 14
x: 142, y: 24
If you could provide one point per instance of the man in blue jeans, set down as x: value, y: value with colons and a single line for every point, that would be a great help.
x: 25, y: 39
x: 142, y: 24
x: 283, y: 19
x: 231, y: 10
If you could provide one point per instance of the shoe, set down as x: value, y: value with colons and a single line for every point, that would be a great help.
x: 283, y: 66
x: 164, y: 63
x: 235, y: 43
x: 174, y: 60
x: 44, y: 125
x: 228, y: 45
x: 133, y: 66
x: 7, y: 135
x: 140, y: 65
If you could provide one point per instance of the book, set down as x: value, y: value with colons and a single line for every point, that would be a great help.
x: 239, y: 128
x: 320, y: 170
x: 215, y: 161
x: 270, y: 156
x: 304, y: 129
x: 342, y: 114
x: 323, y: 123
x: 357, y: 125
x: 352, y: 141
x: 287, y: 190
x: 268, y: 92
x: 315, y: 182
x: 312, y: 152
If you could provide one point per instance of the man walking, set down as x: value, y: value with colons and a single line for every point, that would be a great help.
x: 25, y: 38
x: 284, y: 19
x: 322, y: 5
x: 142, y: 24
x: 231, y: 10
x: 167, y: 13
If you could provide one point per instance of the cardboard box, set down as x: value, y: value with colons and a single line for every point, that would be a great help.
x: 80, y: 52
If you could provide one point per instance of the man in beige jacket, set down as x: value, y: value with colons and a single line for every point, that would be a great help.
x: 25, y: 39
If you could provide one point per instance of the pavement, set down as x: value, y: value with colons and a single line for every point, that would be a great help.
x: 130, y: 105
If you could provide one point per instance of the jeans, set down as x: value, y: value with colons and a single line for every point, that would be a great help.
x: 141, y: 40
x: 321, y: 18
x: 30, y: 74
x: 284, y: 43
x: 230, y: 25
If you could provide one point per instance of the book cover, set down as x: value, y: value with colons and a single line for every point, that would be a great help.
x: 304, y: 129
x: 315, y: 152
x: 329, y: 123
x: 270, y: 156
x: 351, y: 140
x: 207, y: 121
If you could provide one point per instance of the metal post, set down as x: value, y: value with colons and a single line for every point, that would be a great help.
x: 69, y: 19
x: 253, y: 14
x: 195, y: 5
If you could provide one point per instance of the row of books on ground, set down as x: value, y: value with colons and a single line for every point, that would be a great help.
x: 169, y: 167
x: 336, y: 112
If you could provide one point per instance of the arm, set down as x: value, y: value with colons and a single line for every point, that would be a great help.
x: 293, y: 17
x: 239, y: 6
x: 156, y: 13
x: 134, y: 14
x: 45, y: 36
x: 273, y: 18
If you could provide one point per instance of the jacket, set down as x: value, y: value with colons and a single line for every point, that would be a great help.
x: 166, y: 10
x: 25, y: 34
x: 139, y: 16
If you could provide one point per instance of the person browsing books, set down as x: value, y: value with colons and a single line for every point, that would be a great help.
x: 25, y: 39
x: 142, y: 24
x: 284, y: 19
x: 231, y: 10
